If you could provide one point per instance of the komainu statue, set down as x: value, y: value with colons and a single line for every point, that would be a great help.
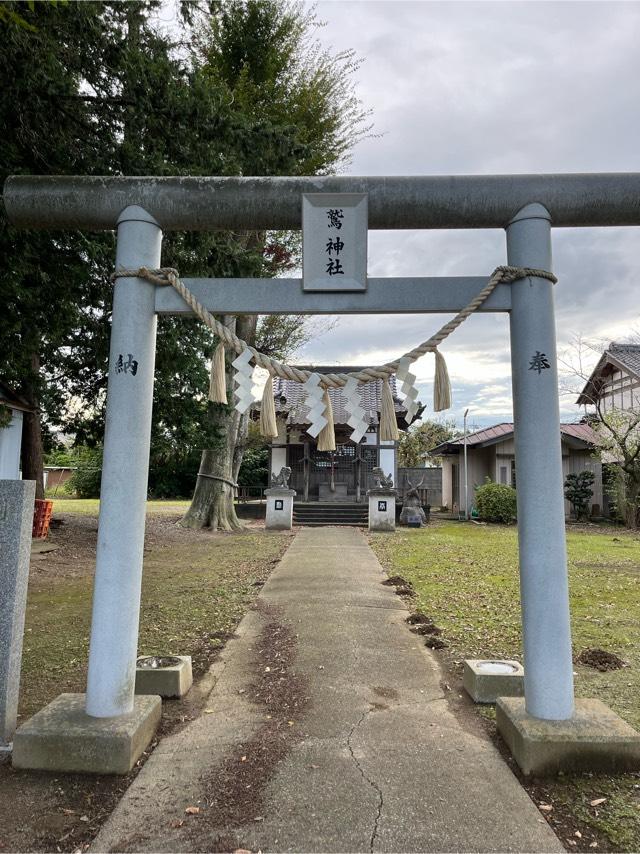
x: 281, y: 480
x: 382, y: 480
x: 412, y: 504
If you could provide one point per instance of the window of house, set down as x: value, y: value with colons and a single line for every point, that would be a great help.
x: 503, y: 474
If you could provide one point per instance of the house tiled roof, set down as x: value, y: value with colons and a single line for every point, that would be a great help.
x: 500, y: 432
x: 624, y: 357
x: 628, y: 354
x: 290, y: 398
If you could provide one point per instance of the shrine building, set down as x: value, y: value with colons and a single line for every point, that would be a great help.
x: 346, y: 473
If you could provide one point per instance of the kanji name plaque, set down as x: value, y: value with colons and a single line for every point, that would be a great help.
x: 334, y: 241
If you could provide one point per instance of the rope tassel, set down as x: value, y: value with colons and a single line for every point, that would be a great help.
x: 327, y: 437
x: 388, y: 424
x: 218, y: 378
x: 441, y: 384
x: 268, y: 425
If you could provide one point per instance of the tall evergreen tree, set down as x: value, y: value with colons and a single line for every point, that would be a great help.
x: 99, y: 90
x: 264, y: 54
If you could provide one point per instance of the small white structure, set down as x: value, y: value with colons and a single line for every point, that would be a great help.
x: 382, y: 509
x: 486, y: 680
x: 279, y: 508
x: 11, y: 434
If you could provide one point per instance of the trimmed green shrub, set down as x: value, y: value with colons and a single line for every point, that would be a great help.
x: 578, y: 492
x: 496, y: 502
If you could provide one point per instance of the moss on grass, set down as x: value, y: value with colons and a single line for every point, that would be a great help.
x: 466, y: 580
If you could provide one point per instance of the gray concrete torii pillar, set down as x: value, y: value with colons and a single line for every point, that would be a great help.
x: 123, y: 491
x: 544, y: 589
x: 107, y: 730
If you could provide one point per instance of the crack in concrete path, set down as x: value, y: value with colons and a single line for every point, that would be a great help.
x: 367, y: 779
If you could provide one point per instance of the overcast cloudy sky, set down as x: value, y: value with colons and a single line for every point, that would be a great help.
x: 485, y: 88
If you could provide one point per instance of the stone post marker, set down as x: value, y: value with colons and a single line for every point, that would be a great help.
x: 382, y: 509
x: 280, y: 502
x: 279, y: 508
x: 16, y: 521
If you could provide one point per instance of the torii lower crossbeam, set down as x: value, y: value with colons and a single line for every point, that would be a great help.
x: 446, y: 295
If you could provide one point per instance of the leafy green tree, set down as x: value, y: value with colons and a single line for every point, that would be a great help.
x: 47, y: 128
x: 418, y: 441
x: 619, y: 448
x: 617, y: 429
x: 96, y: 89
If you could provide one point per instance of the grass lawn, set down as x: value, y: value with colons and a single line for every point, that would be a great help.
x: 466, y: 580
x: 91, y: 506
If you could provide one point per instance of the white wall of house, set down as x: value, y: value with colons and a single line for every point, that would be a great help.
x: 10, y: 443
x: 620, y: 391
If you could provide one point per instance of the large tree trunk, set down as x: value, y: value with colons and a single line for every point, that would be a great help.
x: 31, y: 454
x: 212, y: 505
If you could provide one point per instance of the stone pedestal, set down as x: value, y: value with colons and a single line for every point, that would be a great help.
x: 279, y: 508
x: 382, y: 509
x: 486, y: 680
x: 593, y: 739
x: 413, y: 516
x: 172, y: 679
x: 16, y: 521
x: 63, y: 737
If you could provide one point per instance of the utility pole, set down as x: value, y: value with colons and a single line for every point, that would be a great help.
x: 466, y: 473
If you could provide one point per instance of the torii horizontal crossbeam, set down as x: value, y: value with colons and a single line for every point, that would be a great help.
x: 395, y: 202
x: 285, y: 296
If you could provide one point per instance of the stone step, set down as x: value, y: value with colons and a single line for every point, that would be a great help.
x: 316, y: 515
x: 332, y: 524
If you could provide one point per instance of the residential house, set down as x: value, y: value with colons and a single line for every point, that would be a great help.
x: 615, y: 381
x: 491, y: 454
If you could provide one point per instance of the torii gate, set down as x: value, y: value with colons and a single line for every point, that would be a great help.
x: 526, y: 206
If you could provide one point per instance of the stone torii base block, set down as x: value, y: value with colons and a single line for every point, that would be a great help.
x: 63, y: 737
x: 593, y: 739
x: 382, y: 509
x: 279, y: 508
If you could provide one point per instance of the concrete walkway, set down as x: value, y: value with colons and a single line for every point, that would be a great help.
x: 327, y: 730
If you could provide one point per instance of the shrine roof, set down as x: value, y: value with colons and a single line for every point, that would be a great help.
x: 290, y: 397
